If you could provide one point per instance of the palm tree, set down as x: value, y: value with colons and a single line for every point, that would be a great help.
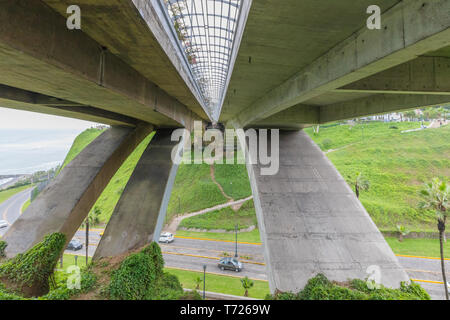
x: 198, y: 282
x: 361, y: 183
x: 246, y: 284
x: 402, y: 231
x: 436, y: 197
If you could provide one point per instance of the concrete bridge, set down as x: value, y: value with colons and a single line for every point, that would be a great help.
x: 286, y: 65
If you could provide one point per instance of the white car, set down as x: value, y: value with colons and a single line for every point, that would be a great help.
x: 3, y: 224
x: 166, y: 237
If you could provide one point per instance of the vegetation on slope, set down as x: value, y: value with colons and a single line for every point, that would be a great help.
x: 320, y: 288
x: 224, y: 219
x: 81, y: 142
x: 193, y: 190
x: 110, y: 196
x: 28, y: 274
x: 396, y: 170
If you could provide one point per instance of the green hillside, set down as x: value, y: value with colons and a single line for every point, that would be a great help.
x: 193, y: 189
x: 396, y: 165
x: 81, y: 142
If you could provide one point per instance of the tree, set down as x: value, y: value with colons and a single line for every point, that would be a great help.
x: 402, y: 231
x: 436, y: 197
x: 198, y: 282
x: 246, y: 284
x: 361, y: 183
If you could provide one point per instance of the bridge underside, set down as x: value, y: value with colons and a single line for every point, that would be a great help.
x: 295, y: 64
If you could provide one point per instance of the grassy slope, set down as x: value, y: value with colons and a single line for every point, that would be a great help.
x: 233, y: 179
x: 111, y: 195
x: 193, y: 190
x: 225, y: 218
x: 396, y: 165
x: 6, y: 194
x: 81, y: 142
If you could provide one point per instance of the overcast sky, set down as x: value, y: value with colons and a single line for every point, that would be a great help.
x: 17, y: 119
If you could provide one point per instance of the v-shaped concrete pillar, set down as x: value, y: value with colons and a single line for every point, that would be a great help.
x: 64, y: 204
x: 140, y: 212
x: 311, y: 222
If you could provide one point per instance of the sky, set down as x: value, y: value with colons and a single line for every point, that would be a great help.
x: 18, y: 119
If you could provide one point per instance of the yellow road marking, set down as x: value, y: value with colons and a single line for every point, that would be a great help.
x: 201, y: 249
x: 215, y: 273
x: 420, y: 257
x: 424, y: 271
x: 207, y: 257
x: 427, y: 281
x: 207, y: 239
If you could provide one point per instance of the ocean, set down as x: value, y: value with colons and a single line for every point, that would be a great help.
x: 31, y: 150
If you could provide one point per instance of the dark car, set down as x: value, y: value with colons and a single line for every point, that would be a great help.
x: 75, y: 245
x: 230, y: 264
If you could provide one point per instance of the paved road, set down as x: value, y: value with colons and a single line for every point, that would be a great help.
x: 192, y: 254
x: 10, y: 209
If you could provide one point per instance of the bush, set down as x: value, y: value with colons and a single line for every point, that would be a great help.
x: 62, y: 292
x: 141, y: 277
x: 320, y: 288
x: 29, y: 273
x: 3, y: 246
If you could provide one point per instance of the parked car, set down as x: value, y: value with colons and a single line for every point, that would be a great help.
x: 75, y: 245
x: 230, y: 264
x: 3, y: 224
x: 166, y: 237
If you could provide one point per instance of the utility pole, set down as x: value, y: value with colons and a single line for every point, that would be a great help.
x: 87, y: 239
x: 204, y: 281
x: 236, y: 229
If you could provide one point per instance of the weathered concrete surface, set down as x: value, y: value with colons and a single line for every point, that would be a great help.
x: 39, y: 54
x: 64, y: 204
x: 311, y: 222
x: 144, y: 200
x: 301, y: 50
x: 134, y: 31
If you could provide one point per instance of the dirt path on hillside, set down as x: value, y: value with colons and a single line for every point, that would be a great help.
x: 213, y: 178
x: 173, y: 225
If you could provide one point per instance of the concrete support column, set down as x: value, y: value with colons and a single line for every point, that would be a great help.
x: 311, y: 222
x: 64, y: 204
x: 140, y: 212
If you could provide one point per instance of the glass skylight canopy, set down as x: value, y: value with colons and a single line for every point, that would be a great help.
x: 206, y: 32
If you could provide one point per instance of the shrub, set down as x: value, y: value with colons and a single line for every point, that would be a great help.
x: 320, y: 288
x: 29, y: 273
x: 141, y: 277
x: 3, y: 246
x: 62, y: 292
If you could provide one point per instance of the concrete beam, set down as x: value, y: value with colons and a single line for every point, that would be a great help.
x: 65, y: 202
x: 378, y: 104
x: 15, y: 98
x: 138, y: 216
x: 311, y: 222
x: 425, y: 75
x: 39, y: 54
x: 296, y: 117
x: 409, y: 29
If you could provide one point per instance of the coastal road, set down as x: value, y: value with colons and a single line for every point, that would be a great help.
x: 11, y: 208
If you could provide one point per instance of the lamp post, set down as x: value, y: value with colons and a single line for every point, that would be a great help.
x: 204, y: 281
x: 236, y: 229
